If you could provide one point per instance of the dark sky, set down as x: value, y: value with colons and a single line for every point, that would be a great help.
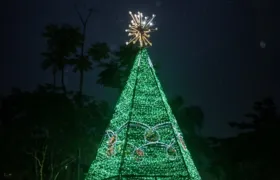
x: 209, y: 50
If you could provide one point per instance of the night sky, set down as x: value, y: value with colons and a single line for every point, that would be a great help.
x: 221, y: 55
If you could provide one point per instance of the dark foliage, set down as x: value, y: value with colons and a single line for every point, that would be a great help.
x: 41, y: 131
x: 253, y: 154
x: 33, y: 121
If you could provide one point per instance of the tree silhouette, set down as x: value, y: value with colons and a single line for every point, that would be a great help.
x: 190, y: 120
x: 50, y: 62
x: 42, y: 129
x: 116, y: 69
x: 62, y: 43
x: 253, y: 154
x: 97, y: 51
x: 82, y: 62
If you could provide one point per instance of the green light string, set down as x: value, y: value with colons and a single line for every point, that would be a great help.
x: 130, y: 114
x: 187, y: 156
x: 143, y: 140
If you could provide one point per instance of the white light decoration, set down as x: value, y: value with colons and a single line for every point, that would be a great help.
x: 140, y: 28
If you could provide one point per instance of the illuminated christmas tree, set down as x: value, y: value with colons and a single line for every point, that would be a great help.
x: 143, y: 140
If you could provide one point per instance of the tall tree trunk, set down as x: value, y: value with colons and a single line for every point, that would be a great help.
x: 81, y: 82
x: 81, y: 70
x: 62, y: 80
x: 84, y: 22
x: 54, y: 80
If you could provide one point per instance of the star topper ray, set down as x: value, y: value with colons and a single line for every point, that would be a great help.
x: 140, y: 29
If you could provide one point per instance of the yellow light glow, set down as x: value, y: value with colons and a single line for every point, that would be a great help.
x: 139, y: 29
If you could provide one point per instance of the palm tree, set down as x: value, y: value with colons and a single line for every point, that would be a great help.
x: 62, y: 43
x: 97, y: 52
x: 190, y: 118
x: 82, y: 62
x: 115, y: 71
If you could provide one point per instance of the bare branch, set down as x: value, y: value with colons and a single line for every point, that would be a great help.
x: 29, y: 153
x: 89, y: 14
x: 69, y: 162
x: 84, y: 22
x: 44, y: 154
x: 80, y: 16
x: 34, y: 155
x: 38, y: 160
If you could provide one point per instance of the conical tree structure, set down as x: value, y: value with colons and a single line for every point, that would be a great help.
x: 143, y: 140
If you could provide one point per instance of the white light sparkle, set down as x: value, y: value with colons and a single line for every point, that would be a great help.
x: 140, y: 29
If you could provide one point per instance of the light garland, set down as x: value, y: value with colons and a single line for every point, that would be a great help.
x: 143, y: 138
